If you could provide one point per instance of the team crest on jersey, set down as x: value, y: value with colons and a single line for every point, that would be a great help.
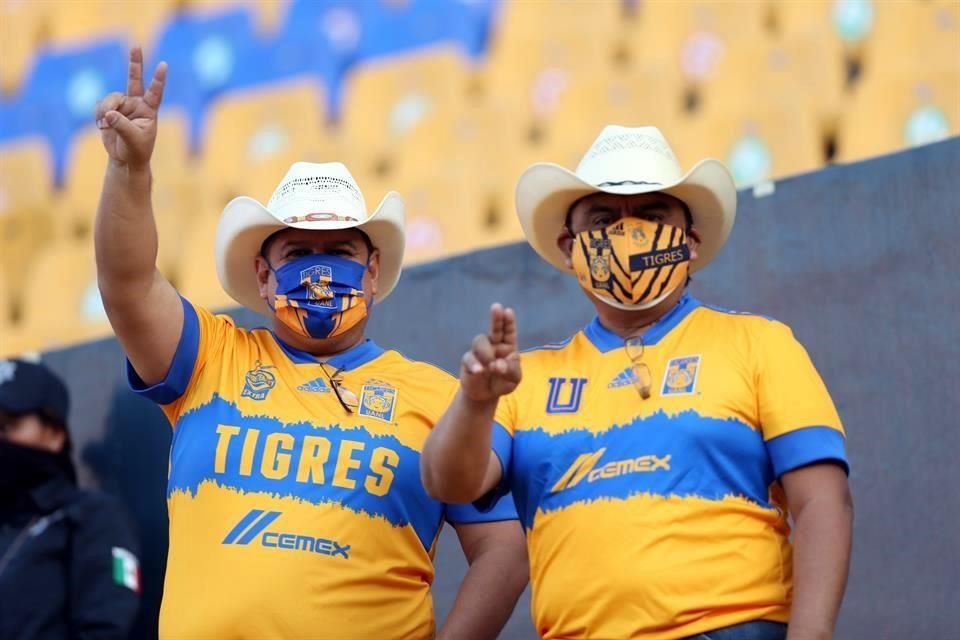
x: 258, y: 382
x: 317, y: 281
x: 625, y: 378
x: 317, y: 385
x: 565, y: 395
x: 378, y: 400
x: 681, y: 378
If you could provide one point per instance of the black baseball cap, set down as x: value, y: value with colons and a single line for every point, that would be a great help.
x: 32, y: 388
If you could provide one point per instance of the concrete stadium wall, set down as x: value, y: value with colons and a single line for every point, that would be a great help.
x: 860, y: 260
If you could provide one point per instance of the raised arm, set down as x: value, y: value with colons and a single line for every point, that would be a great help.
x: 143, y: 307
x: 458, y: 464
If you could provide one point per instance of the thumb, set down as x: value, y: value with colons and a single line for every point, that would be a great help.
x: 122, y: 125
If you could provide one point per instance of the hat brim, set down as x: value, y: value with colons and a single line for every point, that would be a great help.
x: 546, y: 191
x: 245, y: 223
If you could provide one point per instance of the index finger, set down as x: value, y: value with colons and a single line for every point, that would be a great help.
x: 135, y: 72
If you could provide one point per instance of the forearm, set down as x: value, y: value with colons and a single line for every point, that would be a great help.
x: 456, y: 455
x: 487, y: 596
x: 822, y: 539
x: 125, y: 234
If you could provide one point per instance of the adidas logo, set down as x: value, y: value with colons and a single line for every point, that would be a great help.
x: 315, y: 386
x: 624, y: 378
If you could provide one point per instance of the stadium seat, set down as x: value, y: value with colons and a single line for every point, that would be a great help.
x: 385, y: 100
x: 890, y: 111
x: 64, y: 86
x: 253, y: 137
x: 392, y: 28
x: 770, y: 140
x: 21, y: 30
x: 29, y: 220
x: 690, y: 36
x: 914, y: 37
x: 209, y: 54
x: 65, y: 274
x: 26, y: 174
x: 198, y: 281
x: 797, y: 18
x: 86, y: 166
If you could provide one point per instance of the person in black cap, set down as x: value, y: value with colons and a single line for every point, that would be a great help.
x: 68, y: 563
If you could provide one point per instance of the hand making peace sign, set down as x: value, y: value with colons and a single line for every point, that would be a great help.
x: 128, y: 123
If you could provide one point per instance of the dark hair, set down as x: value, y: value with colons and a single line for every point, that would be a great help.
x: 265, y: 247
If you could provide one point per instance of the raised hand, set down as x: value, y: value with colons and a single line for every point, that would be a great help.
x: 492, y: 366
x: 128, y: 122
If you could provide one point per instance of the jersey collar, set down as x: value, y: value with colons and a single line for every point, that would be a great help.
x: 352, y: 358
x: 605, y: 340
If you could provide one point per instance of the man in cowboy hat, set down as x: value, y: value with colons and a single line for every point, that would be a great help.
x: 295, y: 501
x: 655, y: 454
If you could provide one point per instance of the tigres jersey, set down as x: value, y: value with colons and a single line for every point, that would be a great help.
x: 662, y: 518
x: 289, y: 516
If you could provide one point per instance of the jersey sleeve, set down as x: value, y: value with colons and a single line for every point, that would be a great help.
x: 798, y: 419
x: 500, y: 509
x: 203, y: 335
x: 504, y: 424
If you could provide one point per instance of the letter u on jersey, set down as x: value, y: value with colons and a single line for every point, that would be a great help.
x: 564, y: 397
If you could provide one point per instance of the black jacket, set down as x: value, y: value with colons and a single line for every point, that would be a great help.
x: 68, y: 566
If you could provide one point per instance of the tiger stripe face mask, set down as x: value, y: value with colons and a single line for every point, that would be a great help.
x: 632, y: 263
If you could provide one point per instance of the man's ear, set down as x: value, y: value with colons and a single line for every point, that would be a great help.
x: 693, y: 241
x: 263, y: 277
x: 565, y: 244
x: 373, y: 267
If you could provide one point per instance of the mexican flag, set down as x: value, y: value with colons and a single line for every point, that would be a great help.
x: 126, y: 569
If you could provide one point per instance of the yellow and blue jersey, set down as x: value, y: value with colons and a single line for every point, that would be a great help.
x: 662, y: 518
x: 289, y: 516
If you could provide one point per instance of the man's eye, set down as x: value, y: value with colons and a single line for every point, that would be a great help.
x: 603, y: 221
x: 298, y: 253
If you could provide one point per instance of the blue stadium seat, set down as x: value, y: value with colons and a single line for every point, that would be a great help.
x: 317, y: 38
x: 326, y: 37
x: 62, y: 90
x: 208, y: 54
x: 394, y: 28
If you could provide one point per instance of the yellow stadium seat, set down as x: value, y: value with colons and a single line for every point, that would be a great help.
x: 914, y: 37
x: 647, y: 96
x: 252, y: 137
x: 687, y: 34
x: 806, y: 16
x: 66, y: 274
x: 267, y: 13
x: 71, y: 22
x: 198, y: 281
x: 892, y: 111
x: 526, y: 28
x: 22, y: 26
x: 171, y: 154
x: 770, y: 140
x: 384, y: 100
x: 86, y: 167
x: 26, y: 174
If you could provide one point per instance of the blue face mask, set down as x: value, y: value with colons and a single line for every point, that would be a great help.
x: 320, y: 295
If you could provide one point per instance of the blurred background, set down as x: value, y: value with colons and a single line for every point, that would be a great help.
x: 445, y: 101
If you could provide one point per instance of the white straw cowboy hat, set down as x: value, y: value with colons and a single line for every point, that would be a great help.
x: 314, y: 196
x: 624, y: 160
